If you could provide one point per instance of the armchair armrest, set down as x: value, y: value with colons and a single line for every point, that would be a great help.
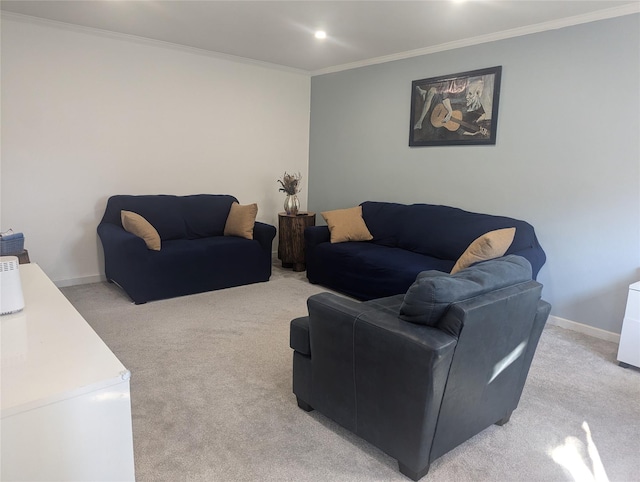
x: 366, y: 361
x: 331, y: 337
x: 330, y: 306
x: 401, y: 371
x: 335, y: 316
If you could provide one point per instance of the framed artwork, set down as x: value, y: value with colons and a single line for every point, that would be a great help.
x: 457, y: 109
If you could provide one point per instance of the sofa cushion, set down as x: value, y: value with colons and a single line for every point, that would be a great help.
x: 429, y: 297
x: 161, y: 210
x: 369, y: 271
x: 205, y: 214
x: 241, y: 220
x: 441, y: 231
x: 384, y: 221
x: 347, y: 225
x: 138, y: 225
x: 488, y: 246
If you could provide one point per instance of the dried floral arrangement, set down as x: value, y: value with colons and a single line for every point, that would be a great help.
x: 290, y: 183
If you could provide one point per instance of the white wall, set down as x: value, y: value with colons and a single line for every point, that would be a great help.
x: 86, y: 115
x: 567, y: 157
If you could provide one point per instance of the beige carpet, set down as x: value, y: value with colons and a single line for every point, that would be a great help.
x: 211, y: 398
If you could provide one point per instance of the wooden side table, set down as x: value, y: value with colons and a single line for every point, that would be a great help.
x: 291, y: 238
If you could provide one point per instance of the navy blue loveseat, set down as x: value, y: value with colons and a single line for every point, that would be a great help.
x: 195, y: 255
x: 407, y: 239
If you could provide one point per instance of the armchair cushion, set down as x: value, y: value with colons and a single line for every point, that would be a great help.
x: 488, y: 246
x: 241, y: 220
x: 138, y: 225
x: 429, y: 297
x: 205, y: 215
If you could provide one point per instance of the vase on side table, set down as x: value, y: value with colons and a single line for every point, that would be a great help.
x: 291, y: 204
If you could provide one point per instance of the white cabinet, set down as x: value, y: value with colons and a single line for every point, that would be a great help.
x: 65, y: 404
x: 629, y: 349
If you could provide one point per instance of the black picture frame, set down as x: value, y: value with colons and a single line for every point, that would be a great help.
x: 473, y: 97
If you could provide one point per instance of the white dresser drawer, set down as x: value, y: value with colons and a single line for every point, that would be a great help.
x: 629, y: 349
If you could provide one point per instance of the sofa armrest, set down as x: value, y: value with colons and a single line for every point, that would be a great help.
x: 264, y: 234
x: 535, y: 256
x: 123, y: 250
x: 314, y: 235
x: 116, y: 239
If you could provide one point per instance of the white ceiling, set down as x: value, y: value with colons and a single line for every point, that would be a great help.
x: 358, y: 32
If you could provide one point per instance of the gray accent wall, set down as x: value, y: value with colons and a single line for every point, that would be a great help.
x: 567, y: 157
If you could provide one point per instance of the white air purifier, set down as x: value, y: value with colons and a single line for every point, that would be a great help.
x: 11, y: 298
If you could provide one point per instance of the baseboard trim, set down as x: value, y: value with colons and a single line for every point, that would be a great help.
x: 582, y: 328
x: 65, y: 283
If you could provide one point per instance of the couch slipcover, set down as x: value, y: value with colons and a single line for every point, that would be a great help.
x: 407, y: 239
x: 195, y: 255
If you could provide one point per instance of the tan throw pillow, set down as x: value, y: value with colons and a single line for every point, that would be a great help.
x: 136, y: 224
x: 347, y: 225
x: 488, y: 246
x: 241, y: 220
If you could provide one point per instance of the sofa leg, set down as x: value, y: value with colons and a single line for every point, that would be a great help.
x: 413, y: 474
x: 504, y: 420
x: 304, y: 405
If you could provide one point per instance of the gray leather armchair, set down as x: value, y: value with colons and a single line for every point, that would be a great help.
x: 418, y: 374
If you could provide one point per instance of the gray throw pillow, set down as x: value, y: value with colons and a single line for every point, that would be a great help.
x: 429, y: 297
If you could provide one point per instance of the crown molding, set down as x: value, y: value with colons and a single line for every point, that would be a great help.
x: 506, y: 34
x: 629, y: 9
x: 147, y: 41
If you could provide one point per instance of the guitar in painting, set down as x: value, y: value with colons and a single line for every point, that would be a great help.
x: 439, y: 114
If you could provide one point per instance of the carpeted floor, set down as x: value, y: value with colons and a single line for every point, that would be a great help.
x: 211, y: 398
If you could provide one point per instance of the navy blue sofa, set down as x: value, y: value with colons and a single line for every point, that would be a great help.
x: 407, y: 239
x: 195, y: 255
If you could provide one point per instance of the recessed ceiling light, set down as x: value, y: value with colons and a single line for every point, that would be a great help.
x: 321, y: 34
